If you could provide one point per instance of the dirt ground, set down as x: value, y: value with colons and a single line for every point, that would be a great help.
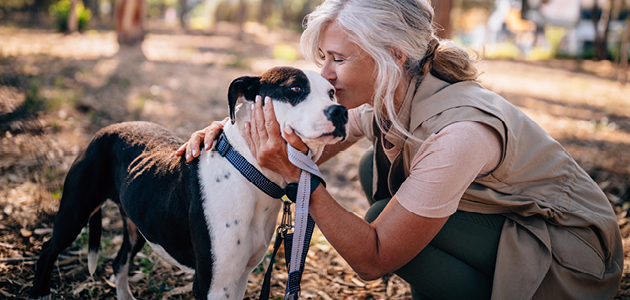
x: 57, y: 90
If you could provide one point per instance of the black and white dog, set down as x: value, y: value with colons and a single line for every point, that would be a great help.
x: 203, y: 216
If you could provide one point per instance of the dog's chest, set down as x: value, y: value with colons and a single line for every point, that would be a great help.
x: 240, y: 218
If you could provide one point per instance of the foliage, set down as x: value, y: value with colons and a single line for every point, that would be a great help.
x: 502, y: 51
x: 60, y: 11
x: 284, y: 52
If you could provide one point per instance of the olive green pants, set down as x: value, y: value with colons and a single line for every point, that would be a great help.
x: 458, y: 263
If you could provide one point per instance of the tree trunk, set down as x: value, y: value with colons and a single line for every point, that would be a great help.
x: 129, y: 18
x: 625, y: 44
x: 183, y: 7
x: 242, y: 17
x: 264, y: 11
x: 442, y: 17
x: 34, y: 10
x: 94, y: 7
x: 601, y: 36
x: 73, y: 21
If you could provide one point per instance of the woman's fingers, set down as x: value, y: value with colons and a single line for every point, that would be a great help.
x: 258, y: 120
x: 294, y: 140
x: 181, y: 150
x: 211, y: 133
x: 271, y: 124
x: 207, y: 135
x: 192, y: 150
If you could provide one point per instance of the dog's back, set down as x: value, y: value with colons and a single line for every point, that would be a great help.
x: 122, y: 163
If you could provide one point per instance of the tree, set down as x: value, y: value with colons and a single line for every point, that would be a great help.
x: 442, y: 17
x: 129, y: 16
x: 264, y: 11
x: 601, y: 16
x: 183, y: 7
x: 623, y: 59
x: 73, y: 21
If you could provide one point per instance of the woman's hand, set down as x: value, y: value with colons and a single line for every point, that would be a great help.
x: 208, y: 135
x: 267, y: 144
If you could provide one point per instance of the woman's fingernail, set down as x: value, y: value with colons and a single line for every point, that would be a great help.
x: 267, y: 99
x: 258, y: 99
x: 223, y: 123
x: 288, y: 130
x: 187, y: 156
x: 194, y: 152
x: 252, y: 107
x: 207, y: 146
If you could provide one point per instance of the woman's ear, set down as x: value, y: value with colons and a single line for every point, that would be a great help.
x: 399, y: 56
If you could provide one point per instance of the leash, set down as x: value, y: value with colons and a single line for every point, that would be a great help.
x: 310, y: 178
x: 304, y: 224
x: 295, y: 244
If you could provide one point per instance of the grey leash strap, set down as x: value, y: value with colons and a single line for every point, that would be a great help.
x: 304, y: 224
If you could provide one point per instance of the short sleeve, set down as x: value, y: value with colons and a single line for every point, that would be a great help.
x: 445, y: 165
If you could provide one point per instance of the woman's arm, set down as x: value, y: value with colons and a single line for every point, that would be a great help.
x: 372, y: 250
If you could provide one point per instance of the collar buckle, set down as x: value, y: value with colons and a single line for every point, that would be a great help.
x: 223, y: 146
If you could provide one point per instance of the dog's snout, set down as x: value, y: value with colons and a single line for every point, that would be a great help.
x: 337, y: 113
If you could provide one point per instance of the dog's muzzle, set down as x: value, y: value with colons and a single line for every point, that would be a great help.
x: 338, y: 115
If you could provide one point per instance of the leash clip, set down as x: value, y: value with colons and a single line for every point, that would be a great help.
x: 286, y: 224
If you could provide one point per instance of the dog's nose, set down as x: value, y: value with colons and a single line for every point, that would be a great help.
x: 337, y: 114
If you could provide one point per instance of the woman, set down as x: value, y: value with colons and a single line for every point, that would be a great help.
x: 471, y: 199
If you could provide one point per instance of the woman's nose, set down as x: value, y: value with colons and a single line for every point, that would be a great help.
x: 328, y: 72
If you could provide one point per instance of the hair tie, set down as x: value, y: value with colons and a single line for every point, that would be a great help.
x: 429, y: 56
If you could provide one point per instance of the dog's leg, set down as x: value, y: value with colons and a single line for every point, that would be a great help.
x: 203, y: 256
x: 132, y: 243
x: 81, y: 198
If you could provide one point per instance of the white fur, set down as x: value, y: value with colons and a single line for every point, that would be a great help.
x: 159, y: 250
x: 307, y: 118
x: 238, y: 232
x: 92, y: 260
x: 122, y: 282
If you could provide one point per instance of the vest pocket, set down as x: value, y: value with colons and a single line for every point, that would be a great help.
x: 577, y: 249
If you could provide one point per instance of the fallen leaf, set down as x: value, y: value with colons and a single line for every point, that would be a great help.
x: 6, y: 294
x: 25, y: 232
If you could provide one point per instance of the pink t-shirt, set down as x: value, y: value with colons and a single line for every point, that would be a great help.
x: 445, y: 165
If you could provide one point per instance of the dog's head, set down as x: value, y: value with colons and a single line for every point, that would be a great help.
x: 301, y: 99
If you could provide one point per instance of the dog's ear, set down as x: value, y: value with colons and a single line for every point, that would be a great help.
x: 243, y: 86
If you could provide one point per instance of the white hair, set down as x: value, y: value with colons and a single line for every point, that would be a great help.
x: 382, y: 28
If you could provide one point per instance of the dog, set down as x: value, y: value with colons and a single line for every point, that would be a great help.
x: 203, y: 216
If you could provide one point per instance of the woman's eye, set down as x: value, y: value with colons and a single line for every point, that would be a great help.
x: 296, y: 89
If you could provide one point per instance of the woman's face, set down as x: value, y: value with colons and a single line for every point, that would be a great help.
x: 348, y: 68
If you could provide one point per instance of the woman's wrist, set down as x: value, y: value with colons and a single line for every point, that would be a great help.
x: 293, y: 174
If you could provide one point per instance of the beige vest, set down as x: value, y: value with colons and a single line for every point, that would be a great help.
x: 561, y: 239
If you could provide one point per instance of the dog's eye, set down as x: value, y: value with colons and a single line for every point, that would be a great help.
x: 331, y: 93
x: 296, y: 89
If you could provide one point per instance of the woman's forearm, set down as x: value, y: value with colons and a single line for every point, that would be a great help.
x: 373, y: 249
x: 354, y: 238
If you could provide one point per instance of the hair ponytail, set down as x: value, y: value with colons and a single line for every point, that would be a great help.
x: 452, y: 63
